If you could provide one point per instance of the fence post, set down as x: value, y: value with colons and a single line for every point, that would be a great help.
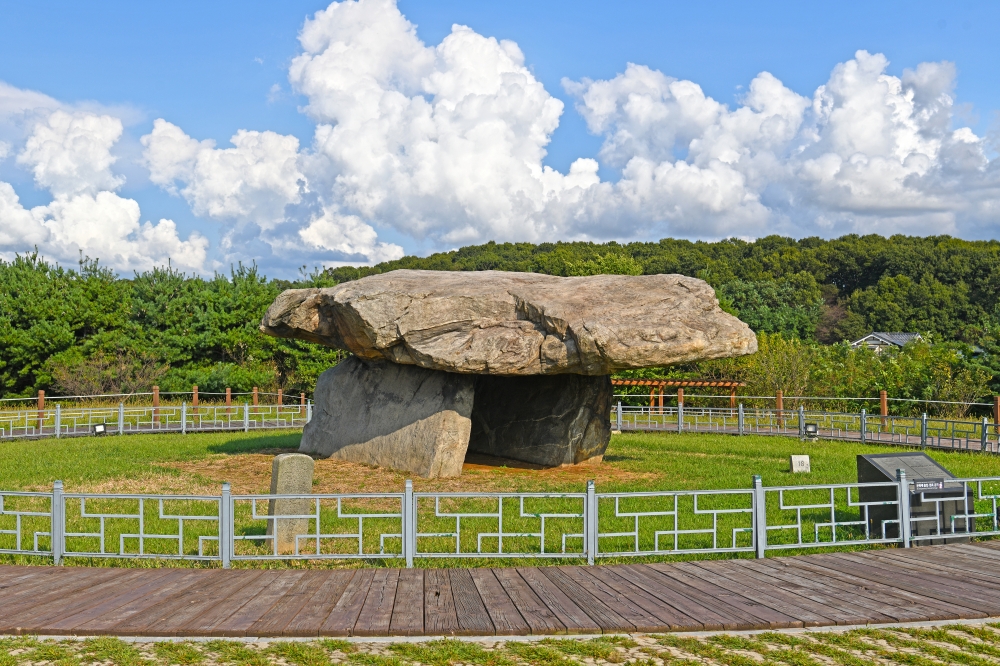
x: 194, y: 399
x: 680, y: 417
x: 618, y: 416
x: 58, y: 522
x: 996, y: 413
x: 121, y: 418
x: 229, y: 400
x: 923, y: 431
x: 184, y: 418
x: 759, y: 517
x: 246, y: 418
x: 739, y: 418
x: 255, y: 397
x: 904, y: 507
x: 41, y: 410
x: 779, y: 404
x: 225, y: 526
x: 802, y: 420
x: 883, y: 404
x: 864, y: 425
x: 409, y: 525
x: 590, y: 523
x: 58, y: 419
x: 302, y: 404
x: 982, y: 436
x: 156, y: 405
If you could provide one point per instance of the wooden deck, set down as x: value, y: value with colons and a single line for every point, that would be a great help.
x: 929, y: 583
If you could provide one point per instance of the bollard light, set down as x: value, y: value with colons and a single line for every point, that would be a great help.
x: 100, y: 429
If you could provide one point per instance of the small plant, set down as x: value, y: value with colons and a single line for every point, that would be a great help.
x: 183, y: 654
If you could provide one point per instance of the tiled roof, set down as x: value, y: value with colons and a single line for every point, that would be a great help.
x: 898, y: 339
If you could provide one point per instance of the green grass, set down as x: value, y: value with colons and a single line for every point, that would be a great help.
x: 634, y: 462
x: 80, y: 460
x: 671, y: 461
x: 924, y: 646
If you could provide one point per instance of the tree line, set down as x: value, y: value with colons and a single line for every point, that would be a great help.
x: 69, y: 328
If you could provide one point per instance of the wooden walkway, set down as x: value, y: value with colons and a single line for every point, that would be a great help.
x: 876, y: 587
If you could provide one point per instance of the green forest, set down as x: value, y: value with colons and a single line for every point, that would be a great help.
x: 84, y: 329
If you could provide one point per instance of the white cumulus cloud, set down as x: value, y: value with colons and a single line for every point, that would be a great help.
x: 70, y: 154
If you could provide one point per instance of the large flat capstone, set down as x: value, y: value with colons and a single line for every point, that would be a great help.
x: 517, y: 324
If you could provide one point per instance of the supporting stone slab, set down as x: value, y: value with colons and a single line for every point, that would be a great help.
x: 548, y: 420
x: 399, y: 416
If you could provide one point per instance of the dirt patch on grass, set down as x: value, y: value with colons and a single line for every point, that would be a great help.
x: 250, y: 473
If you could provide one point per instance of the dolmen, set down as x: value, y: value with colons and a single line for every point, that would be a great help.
x: 514, y: 365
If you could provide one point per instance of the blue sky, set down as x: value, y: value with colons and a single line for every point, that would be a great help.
x: 212, y: 69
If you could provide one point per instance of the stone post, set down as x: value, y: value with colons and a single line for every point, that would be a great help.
x: 291, y: 474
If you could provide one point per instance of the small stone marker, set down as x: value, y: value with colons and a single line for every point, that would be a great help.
x: 800, y: 464
x: 291, y: 474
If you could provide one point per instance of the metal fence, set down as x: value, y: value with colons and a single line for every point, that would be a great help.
x: 861, y: 427
x: 121, y: 420
x: 583, y: 525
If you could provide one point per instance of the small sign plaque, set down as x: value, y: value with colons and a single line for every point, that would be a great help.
x: 800, y: 464
x: 928, y: 484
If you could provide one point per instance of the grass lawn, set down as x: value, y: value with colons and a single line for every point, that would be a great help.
x: 199, y: 463
x: 925, y: 646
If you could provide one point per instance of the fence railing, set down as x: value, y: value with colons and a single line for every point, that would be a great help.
x: 919, y: 431
x: 62, y: 421
x: 574, y: 525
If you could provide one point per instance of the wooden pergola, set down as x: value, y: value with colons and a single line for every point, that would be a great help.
x: 656, y: 387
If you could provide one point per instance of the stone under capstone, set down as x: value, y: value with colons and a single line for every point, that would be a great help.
x: 511, y: 364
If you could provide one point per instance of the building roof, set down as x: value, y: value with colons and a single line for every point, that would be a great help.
x: 897, y: 339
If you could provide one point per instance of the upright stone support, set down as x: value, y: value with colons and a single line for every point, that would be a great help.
x: 291, y: 474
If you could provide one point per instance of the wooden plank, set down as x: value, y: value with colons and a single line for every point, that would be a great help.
x: 669, y: 617
x: 172, y: 617
x: 951, y: 560
x: 168, y: 589
x: 740, y: 613
x: 901, y: 581
x: 149, y: 582
x: 934, y: 609
x: 507, y: 621
x: 473, y: 617
x: 274, y: 622
x: 210, y: 622
x: 615, y: 597
x: 439, y: 604
x: 606, y: 618
x: 376, y: 613
x: 816, y: 607
x: 34, y: 618
x: 832, y: 591
x: 345, y: 614
x: 676, y: 596
x: 408, y: 611
x: 54, y: 588
x: 259, y: 605
x: 764, y: 605
x: 566, y: 611
x: 317, y: 609
x: 952, y: 586
x: 536, y: 614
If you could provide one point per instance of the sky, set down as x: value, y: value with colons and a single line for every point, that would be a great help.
x: 299, y: 134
